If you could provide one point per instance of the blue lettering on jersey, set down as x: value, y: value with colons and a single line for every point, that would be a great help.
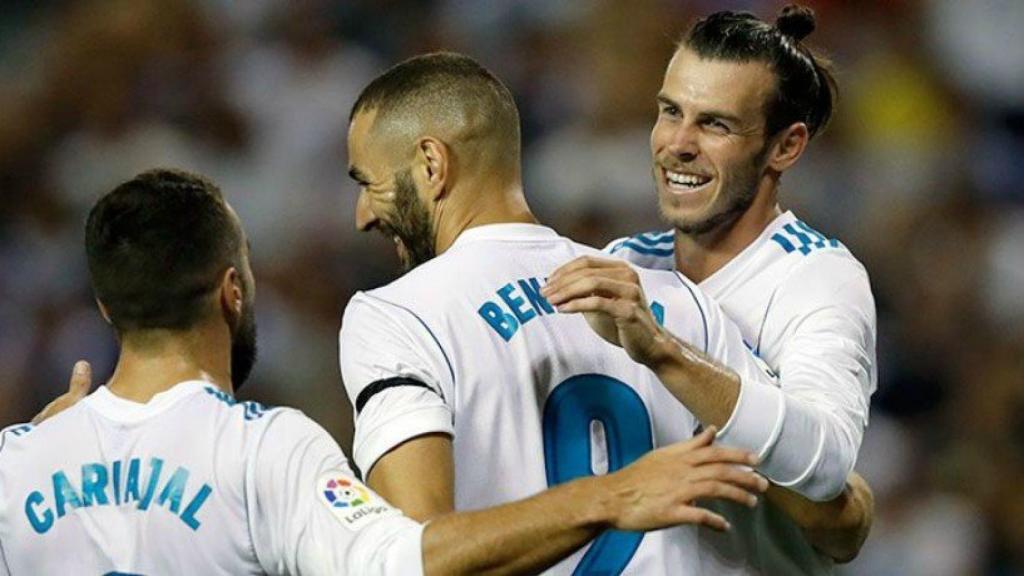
x: 253, y: 410
x: 659, y: 312
x: 518, y: 310
x: 802, y: 238
x: 517, y: 304
x: 96, y: 486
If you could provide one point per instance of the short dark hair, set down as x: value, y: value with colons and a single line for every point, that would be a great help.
x: 156, y: 246
x: 805, y: 89
x: 431, y: 83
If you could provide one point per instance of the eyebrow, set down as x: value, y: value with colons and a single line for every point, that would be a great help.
x: 706, y: 113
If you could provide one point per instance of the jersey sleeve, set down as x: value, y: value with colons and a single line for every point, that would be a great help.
x: 808, y: 429
x: 396, y: 376
x: 308, y: 514
x: 4, y: 571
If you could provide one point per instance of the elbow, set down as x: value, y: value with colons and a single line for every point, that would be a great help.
x: 825, y: 478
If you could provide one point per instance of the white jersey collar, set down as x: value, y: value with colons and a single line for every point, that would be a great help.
x: 733, y: 267
x: 120, y: 409
x: 512, y: 231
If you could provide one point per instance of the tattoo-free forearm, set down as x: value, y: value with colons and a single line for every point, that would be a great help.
x: 523, y: 537
x: 838, y: 527
x: 708, y: 389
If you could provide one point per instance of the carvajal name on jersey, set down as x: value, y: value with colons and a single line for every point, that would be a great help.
x: 117, y: 484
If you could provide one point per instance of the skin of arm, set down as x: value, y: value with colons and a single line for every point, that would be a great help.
x: 656, y: 491
x: 837, y: 528
x: 417, y: 476
x: 609, y: 294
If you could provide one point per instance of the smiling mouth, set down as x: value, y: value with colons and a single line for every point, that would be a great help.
x: 684, y: 182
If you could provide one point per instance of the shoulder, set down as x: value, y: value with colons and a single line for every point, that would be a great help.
x: 13, y: 434
x: 647, y: 249
x: 829, y: 276
x: 245, y: 410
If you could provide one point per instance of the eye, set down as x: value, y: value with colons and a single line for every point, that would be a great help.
x: 669, y: 110
x: 717, y: 126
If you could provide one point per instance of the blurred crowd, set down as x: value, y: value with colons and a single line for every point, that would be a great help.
x: 920, y: 175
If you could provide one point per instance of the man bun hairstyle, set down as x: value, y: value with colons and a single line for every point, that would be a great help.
x: 156, y: 247
x: 795, y: 21
x: 805, y: 89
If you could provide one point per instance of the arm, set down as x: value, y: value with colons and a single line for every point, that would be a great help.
x: 657, y: 491
x: 807, y: 432
x: 404, y: 426
x: 418, y: 477
x: 610, y: 295
x: 837, y: 528
x: 297, y: 475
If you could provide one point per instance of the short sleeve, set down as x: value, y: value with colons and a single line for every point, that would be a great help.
x: 308, y: 514
x: 396, y: 375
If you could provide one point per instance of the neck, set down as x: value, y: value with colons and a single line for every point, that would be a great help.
x: 698, y: 256
x: 157, y: 360
x: 479, y: 205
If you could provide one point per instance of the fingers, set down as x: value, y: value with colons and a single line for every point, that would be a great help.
x: 587, y: 285
x: 81, y: 379
x: 588, y: 262
x: 746, y: 479
x: 721, y: 491
x: 617, y: 309
x: 589, y: 267
x: 723, y: 454
x: 78, y: 387
x: 702, y: 517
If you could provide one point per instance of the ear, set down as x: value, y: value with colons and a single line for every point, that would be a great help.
x: 789, y: 145
x: 231, y: 295
x: 433, y: 160
x: 104, y: 312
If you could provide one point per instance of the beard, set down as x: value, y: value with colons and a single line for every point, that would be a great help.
x: 410, y: 223
x: 243, y: 347
x: 737, y: 195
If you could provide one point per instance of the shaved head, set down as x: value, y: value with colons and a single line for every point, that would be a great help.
x: 450, y: 97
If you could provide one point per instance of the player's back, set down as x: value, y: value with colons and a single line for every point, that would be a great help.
x: 112, y: 485
x: 466, y: 344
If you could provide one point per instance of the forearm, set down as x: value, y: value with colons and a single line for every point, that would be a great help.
x: 837, y: 527
x: 708, y: 389
x: 804, y: 446
x: 523, y: 537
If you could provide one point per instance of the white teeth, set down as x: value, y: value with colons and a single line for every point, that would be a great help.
x: 691, y: 180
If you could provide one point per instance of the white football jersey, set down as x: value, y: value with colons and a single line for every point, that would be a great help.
x: 803, y: 304
x: 466, y: 345
x: 191, y: 482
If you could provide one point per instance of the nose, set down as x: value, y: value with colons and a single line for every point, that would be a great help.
x: 365, y: 218
x: 683, y: 143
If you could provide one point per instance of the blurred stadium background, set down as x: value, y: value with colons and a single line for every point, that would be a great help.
x: 921, y: 175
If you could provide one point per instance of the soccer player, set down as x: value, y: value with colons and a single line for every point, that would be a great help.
x: 162, y: 471
x: 740, y: 101
x: 469, y: 388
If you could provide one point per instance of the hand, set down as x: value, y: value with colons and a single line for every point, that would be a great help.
x: 609, y: 294
x: 78, y: 387
x: 660, y: 489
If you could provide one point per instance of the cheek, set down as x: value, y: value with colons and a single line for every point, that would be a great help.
x: 660, y: 136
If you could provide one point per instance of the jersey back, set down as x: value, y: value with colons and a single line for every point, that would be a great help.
x: 466, y: 345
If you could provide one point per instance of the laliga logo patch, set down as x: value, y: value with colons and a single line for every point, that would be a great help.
x: 344, y: 493
x: 350, y: 501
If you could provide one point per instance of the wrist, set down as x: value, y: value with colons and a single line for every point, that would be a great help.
x: 665, y: 356
x: 599, y: 500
